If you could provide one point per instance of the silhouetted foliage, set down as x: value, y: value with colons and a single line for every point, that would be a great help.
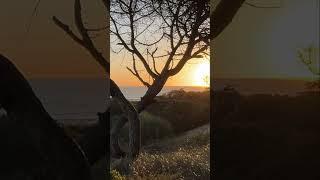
x: 310, y: 58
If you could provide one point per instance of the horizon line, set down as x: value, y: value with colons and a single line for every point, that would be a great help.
x: 100, y: 77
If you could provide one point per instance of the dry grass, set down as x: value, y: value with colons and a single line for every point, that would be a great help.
x: 188, y: 159
x: 183, y: 163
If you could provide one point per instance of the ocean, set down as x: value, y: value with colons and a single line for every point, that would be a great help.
x: 135, y: 93
x: 81, y: 99
x: 71, y: 99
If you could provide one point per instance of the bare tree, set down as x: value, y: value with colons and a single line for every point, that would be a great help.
x: 310, y: 58
x: 129, y: 112
x: 188, y: 38
x: 164, y: 34
x: 185, y: 24
x: 168, y: 33
x: 63, y: 156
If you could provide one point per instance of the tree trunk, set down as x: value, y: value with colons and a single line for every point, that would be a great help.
x: 94, y: 142
x: 62, y: 157
x: 220, y: 17
x: 134, y: 126
x: 132, y: 116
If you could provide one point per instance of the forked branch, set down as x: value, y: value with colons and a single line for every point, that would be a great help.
x: 129, y: 111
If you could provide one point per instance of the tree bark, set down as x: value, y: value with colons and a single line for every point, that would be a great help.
x: 134, y: 123
x: 223, y: 15
x: 94, y: 142
x: 62, y: 157
x: 134, y: 133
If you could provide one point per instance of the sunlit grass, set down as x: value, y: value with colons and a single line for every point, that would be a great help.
x: 188, y: 159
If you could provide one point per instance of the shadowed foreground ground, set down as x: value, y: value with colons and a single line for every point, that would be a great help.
x: 172, y: 158
x: 271, y: 137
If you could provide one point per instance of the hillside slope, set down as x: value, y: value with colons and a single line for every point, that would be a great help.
x: 186, y: 156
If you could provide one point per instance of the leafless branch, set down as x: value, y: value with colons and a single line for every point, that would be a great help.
x: 262, y: 7
x: 85, y: 40
x: 135, y: 72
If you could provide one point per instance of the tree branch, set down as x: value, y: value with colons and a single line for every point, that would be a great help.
x: 262, y: 7
x: 67, y: 30
x: 222, y: 15
x: 136, y: 73
x: 85, y: 41
x: 128, y: 109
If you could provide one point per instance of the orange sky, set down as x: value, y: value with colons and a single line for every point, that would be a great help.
x: 46, y: 51
x: 257, y: 43
x: 190, y: 75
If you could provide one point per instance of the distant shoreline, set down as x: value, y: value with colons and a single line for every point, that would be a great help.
x: 81, y: 98
x: 214, y: 79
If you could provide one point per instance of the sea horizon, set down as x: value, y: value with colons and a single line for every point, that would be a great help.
x: 74, y: 98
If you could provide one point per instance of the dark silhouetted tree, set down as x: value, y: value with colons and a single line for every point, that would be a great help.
x: 310, y: 58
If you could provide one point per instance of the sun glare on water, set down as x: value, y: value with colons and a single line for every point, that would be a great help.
x: 201, y: 76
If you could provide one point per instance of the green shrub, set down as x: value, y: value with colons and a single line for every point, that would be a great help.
x: 152, y: 128
x: 183, y: 115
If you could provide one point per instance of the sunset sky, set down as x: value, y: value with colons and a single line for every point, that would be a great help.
x: 46, y: 51
x: 264, y: 42
x: 259, y: 43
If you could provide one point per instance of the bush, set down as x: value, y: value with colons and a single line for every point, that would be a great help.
x: 183, y: 115
x: 152, y: 128
x: 186, y: 95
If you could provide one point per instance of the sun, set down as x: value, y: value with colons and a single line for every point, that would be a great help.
x: 201, y: 76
